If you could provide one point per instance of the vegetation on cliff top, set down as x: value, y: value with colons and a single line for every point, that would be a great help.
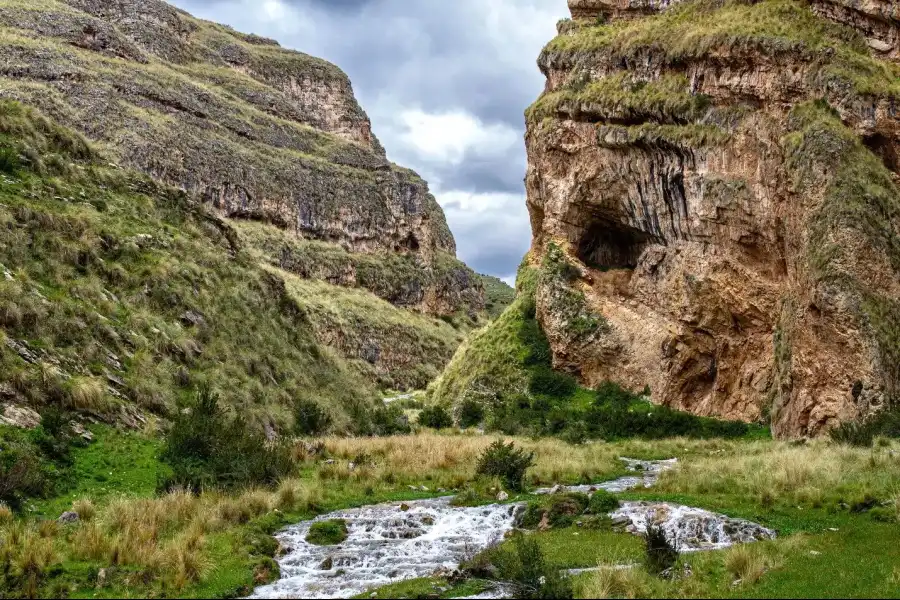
x: 774, y: 29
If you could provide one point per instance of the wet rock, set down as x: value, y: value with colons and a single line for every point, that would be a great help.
x: 404, y: 507
x: 327, y: 564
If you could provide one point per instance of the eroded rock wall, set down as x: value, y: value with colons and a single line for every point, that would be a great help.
x: 728, y: 197
x: 257, y: 131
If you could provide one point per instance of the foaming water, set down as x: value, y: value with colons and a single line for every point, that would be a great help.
x: 691, y: 529
x: 394, y: 542
x: 385, y: 544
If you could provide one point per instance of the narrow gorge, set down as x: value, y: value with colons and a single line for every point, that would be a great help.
x: 719, y: 181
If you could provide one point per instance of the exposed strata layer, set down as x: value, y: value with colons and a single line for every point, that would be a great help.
x: 256, y: 130
x: 735, y: 235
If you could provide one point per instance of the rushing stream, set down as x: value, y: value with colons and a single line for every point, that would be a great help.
x: 393, y: 542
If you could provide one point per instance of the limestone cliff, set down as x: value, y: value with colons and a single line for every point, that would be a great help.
x: 723, y: 174
x: 255, y: 131
x: 715, y: 182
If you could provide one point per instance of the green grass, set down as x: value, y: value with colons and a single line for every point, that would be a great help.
x: 327, y: 533
x: 104, y: 265
x: 116, y: 463
x: 497, y: 295
x: 697, y: 29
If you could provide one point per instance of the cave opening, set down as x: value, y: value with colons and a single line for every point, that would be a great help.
x: 885, y: 149
x: 605, y: 244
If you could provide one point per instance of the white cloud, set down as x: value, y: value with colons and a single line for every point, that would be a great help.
x: 449, y: 136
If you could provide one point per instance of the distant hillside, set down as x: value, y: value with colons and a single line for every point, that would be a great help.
x: 497, y: 295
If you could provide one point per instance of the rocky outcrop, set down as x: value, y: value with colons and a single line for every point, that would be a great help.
x: 726, y: 198
x: 257, y: 131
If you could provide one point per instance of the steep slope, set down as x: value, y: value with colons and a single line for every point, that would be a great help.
x: 118, y: 295
x: 255, y: 131
x: 721, y: 177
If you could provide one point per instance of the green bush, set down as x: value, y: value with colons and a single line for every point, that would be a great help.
x: 9, y: 160
x: 205, y: 449
x: 310, y: 418
x: 506, y: 462
x: 35, y: 463
x: 526, y: 568
x: 471, y: 414
x: 327, y: 533
x: 603, y: 502
x: 564, y: 509
x: 435, y: 417
x: 659, y: 552
x: 390, y: 420
x: 546, y: 381
x: 614, y: 395
x: 863, y: 433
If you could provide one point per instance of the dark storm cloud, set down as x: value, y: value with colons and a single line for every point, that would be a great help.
x: 462, y: 57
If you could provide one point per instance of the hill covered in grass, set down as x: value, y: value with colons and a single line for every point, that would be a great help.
x: 255, y: 132
x: 121, y: 294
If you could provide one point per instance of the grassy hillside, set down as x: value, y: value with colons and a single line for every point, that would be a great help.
x: 497, y: 295
x: 120, y: 294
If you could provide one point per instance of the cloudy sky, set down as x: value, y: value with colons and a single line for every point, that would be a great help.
x: 445, y: 83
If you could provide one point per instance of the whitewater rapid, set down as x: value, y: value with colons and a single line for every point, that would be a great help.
x: 397, y: 541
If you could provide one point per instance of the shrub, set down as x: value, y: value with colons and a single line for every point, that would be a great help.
x: 612, y: 394
x: 659, y: 552
x: 327, y: 533
x: 506, y: 462
x: 310, y: 418
x: 565, y: 508
x: 435, y: 417
x: 471, y: 414
x: 603, y: 502
x: 26, y: 470
x: 205, y: 449
x: 546, y: 381
x: 390, y: 420
x: 863, y: 433
x: 9, y: 160
x: 526, y: 568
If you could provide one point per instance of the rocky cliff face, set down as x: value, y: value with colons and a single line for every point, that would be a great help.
x: 255, y: 131
x: 722, y: 177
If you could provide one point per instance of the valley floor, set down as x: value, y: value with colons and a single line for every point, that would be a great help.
x: 836, y: 510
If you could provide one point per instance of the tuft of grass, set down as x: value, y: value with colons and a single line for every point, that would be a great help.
x: 88, y: 394
x: 85, y: 509
x: 746, y: 563
x: 6, y: 514
x: 327, y: 533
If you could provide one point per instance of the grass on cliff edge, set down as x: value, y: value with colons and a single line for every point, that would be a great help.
x: 699, y: 28
x: 117, y: 293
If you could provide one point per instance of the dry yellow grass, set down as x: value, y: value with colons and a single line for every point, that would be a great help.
x: 87, y: 393
x: 6, y: 514
x: 85, y: 509
x: 809, y: 474
x: 450, y: 458
x: 612, y: 582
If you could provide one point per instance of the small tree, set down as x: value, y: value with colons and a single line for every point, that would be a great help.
x: 506, y: 462
x: 470, y: 414
x: 660, y: 553
x: 435, y: 417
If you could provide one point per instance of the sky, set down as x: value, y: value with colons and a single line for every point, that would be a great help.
x: 445, y: 82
